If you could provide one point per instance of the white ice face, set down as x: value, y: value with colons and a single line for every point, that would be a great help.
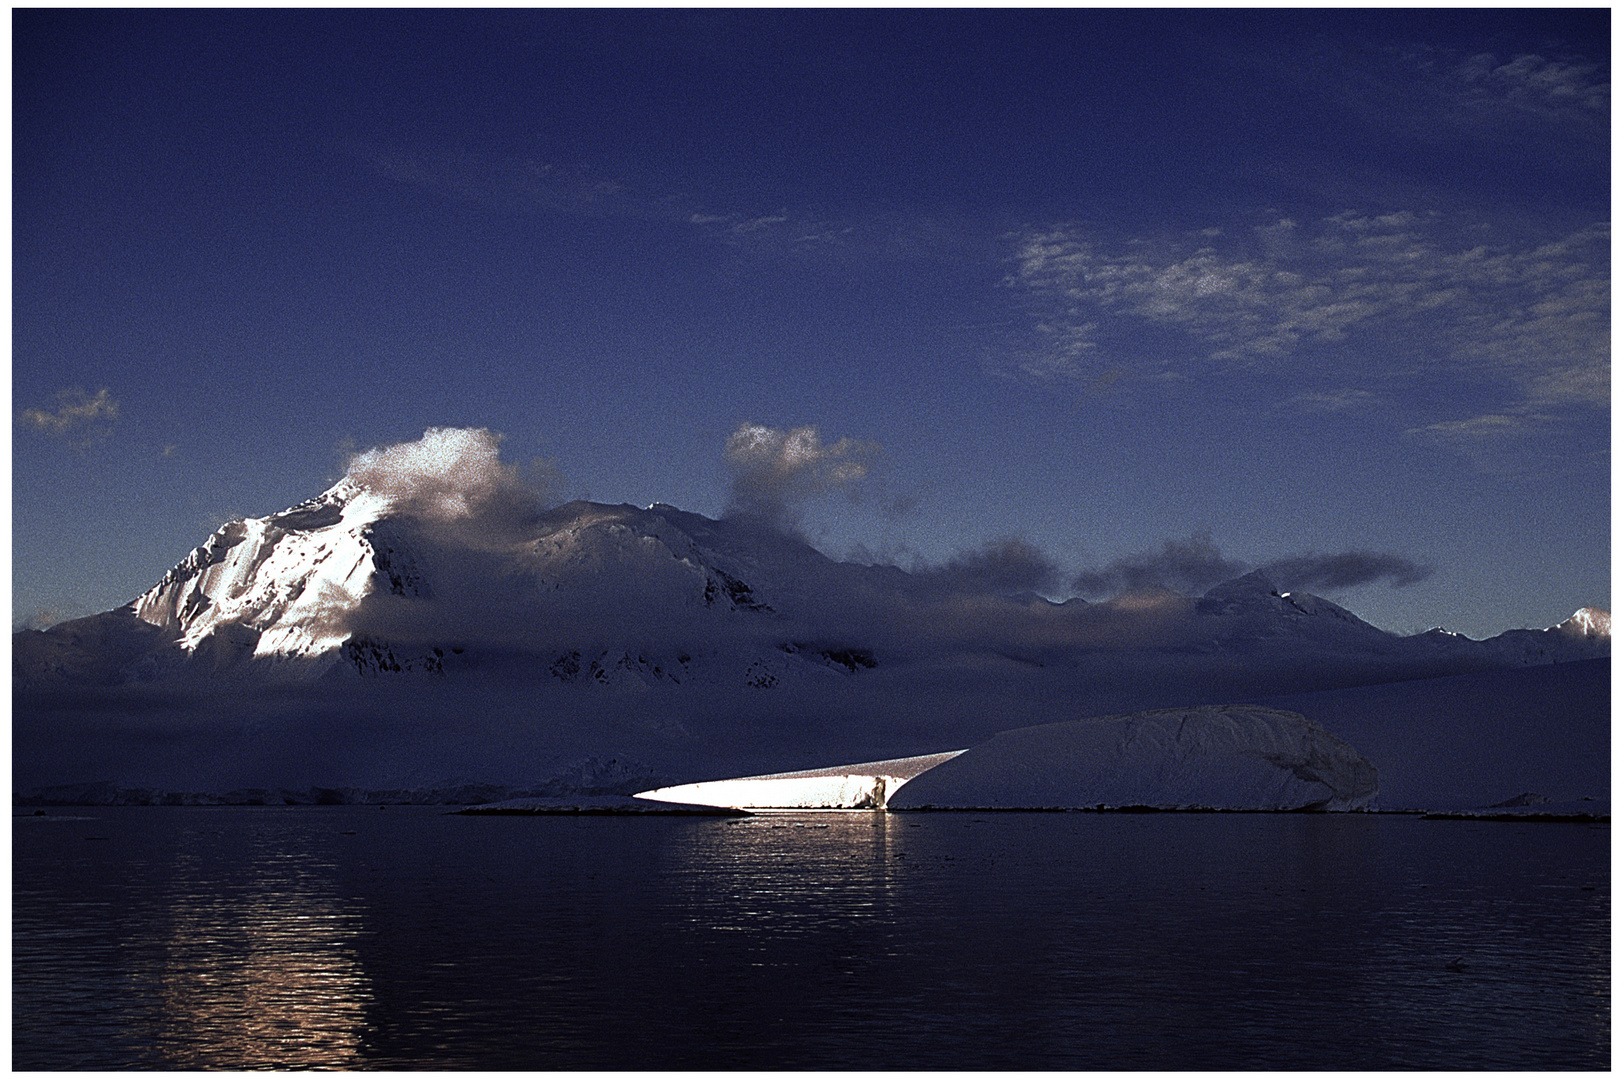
x: 840, y: 787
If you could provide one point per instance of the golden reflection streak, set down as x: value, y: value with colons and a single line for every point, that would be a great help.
x: 272, y: 984
x: 265, y: 976
x: 784, y: 869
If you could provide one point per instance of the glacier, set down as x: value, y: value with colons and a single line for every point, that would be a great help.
x: 383, y: 646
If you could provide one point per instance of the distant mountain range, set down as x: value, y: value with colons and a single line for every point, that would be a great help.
x: 412, y: 645
x: 342, y: 585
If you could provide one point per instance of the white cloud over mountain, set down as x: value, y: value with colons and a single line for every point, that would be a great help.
x: 776, y: 471
x: 455, y: 476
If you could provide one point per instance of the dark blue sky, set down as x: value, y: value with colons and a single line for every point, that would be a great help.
x: 1124, y: 284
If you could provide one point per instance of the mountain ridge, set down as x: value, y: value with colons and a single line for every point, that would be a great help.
x: 359, y: 642
x: 344, y: 581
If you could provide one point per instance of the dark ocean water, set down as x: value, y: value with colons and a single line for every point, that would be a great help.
x: 405, y: 938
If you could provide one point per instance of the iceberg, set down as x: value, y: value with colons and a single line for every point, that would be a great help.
x: 840, y: 787
x: 1208, y: 758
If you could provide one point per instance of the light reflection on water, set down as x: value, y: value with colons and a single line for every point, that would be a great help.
x: 269, y: 982
x: 349, y: 937
x: 228, y: 950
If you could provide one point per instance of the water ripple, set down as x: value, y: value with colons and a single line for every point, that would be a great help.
x: 271, y: 938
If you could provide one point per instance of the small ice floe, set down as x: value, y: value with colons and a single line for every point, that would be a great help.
x: 1530, y: 806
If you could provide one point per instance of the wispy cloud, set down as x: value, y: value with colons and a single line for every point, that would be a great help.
x: 1519, y: 443
x: 80, y: 416
x: 516, y: 184
x: 1532, y: 83
x: 1183, y: 566
x: 1344, y: 570
x: 1426, y: 94
x: 1473, y: 429
x: 1193, y: 565
x: 1002, y: 566
x: 1357, y: 298
x: 1343, y: 400
x: 500, y: 181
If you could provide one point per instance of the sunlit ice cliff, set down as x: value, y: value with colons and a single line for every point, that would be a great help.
x: 432, y: 630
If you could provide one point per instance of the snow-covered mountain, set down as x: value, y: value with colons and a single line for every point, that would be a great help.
x: 345, y: 583
x: 367, y: 639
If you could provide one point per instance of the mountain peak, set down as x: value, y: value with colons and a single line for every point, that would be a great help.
x: 1588, y: 622
x: 1253, y: 601
x: 277, y: 585
x: 1255, y: 585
